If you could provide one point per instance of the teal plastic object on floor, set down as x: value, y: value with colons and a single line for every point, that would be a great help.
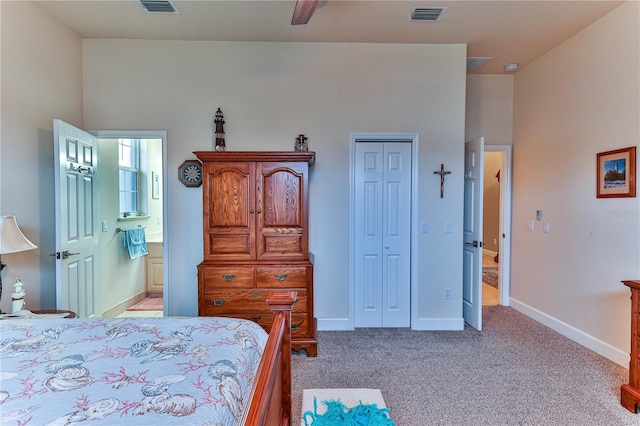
x: 338, y: 414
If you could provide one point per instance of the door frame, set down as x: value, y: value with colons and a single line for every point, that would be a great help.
x: 151, y: 134
x: 413, y: 138
x: 504, y: 247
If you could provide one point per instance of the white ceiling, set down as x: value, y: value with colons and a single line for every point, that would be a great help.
x: 509, y: 31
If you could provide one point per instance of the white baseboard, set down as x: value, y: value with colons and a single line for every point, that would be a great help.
x: 438, y: 324
x: 338, y: 324
x: 489, y: 252
x: 425, y: 324
x: 123, y: 306
x: 598, y: 346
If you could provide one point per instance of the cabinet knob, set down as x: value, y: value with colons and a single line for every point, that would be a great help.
x: 251, y: 211
x: 281, y: 277
x: 295, y: 325
x: 228, y: 277
x: 259, y: 211
x: 217, y: 302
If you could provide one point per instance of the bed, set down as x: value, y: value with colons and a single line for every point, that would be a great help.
x: 147, y: 371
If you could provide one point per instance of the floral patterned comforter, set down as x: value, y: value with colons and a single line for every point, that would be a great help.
x: 127, y: 371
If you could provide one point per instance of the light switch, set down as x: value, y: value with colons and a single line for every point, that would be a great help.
x: 530, y: 225
x: 105, y: 226
x: 448, y: 228
x: 425, y: 227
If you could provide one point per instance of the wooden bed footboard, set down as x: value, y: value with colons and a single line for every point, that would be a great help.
x: 270, y: 397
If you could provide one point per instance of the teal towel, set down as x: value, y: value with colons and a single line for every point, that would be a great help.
x: 135, y: 240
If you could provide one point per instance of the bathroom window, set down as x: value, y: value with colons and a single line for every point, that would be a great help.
x: 129, y: 161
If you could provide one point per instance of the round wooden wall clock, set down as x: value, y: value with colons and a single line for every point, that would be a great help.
x: 190, y: 173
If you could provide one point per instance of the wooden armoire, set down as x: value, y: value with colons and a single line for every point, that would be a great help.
x: 256, y: 238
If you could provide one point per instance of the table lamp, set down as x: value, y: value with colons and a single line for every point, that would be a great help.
x: 12, y: 240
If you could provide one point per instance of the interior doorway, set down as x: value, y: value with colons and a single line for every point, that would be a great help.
x: 132, y: 281
x: 497, y: 225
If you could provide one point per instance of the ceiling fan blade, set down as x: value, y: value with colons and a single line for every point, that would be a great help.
x: 303, y: 11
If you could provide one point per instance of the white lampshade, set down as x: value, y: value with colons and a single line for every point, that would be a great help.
x: 12, y: 240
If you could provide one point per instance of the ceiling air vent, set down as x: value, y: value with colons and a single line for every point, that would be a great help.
x: 475, y: 62
x: 158, y: 6
x: 426, y: 14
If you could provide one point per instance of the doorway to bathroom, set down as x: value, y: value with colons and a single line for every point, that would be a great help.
x: 132, y: 196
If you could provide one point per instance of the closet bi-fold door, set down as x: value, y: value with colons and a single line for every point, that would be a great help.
x: 382, y: 234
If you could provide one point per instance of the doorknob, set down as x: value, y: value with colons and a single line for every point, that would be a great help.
x: 66, y: 254
x: 474, y: 244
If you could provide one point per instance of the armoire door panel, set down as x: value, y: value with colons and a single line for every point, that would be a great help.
x: 281, y: 245
x: 281, y: 220
x: 229, y: 212
x: 237, y: 246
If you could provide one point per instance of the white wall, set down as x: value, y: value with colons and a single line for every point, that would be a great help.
x: 489, y: 114
x: 489, y: 108
x: 579, y: 99
x: 271, y: 92
x: 41, y: 80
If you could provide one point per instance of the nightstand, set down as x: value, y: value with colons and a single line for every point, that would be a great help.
x: 71, y: 314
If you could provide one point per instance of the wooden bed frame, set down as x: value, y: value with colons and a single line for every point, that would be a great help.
x: 270, y: 397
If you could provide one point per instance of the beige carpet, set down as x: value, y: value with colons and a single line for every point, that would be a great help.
x: 515, y: 372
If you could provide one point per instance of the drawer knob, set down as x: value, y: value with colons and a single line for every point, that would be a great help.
x: 217, y: 302
x: 256, y: 319
x: 255, y: 293
x: 281, y: 277
x: 294, y: 326
x: 228, y: 277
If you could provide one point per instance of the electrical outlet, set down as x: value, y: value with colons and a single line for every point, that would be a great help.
x: 495, y: 241
x: 105, y: 226
x: 447, y: 293
x: 425, y: 227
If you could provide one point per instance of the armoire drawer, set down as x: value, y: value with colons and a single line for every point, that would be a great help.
x: 231, y: 302
x: 289, y: 277
x: 228, y: 276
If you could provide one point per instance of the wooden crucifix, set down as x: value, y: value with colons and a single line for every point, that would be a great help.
x: 442, y: 172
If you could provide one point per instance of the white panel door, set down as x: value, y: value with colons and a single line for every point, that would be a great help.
x: 76, y: 219
x: 472, y: 230
x: 382, y: 233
